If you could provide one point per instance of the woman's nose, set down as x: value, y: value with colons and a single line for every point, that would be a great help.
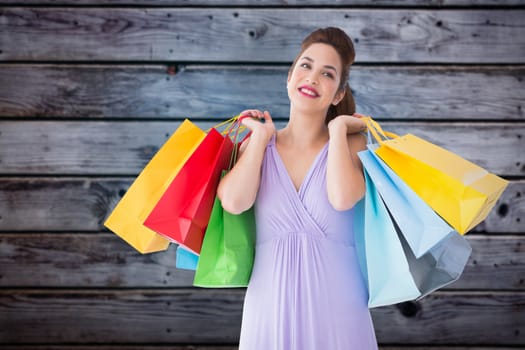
x: 311, y: 79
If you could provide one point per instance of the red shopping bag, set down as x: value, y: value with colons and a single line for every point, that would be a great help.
x: 182, y: 213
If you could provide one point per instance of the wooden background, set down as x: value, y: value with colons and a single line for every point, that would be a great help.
x: 90, y: 89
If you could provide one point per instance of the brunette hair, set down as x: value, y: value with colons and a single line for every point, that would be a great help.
x: 342, y: 43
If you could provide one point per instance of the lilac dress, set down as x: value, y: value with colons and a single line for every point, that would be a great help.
x: 306, y: 290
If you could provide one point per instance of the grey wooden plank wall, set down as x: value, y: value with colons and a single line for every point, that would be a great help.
x: 90, y: 89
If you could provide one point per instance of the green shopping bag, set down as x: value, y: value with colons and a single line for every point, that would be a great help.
x: 228, y: 248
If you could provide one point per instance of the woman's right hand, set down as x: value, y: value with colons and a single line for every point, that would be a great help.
x: 261, y: 130
x: 238, y: 188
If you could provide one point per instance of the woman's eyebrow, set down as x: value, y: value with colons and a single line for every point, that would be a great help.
x: 326, y: 66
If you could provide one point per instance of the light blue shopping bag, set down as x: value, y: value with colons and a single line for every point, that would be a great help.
x: 382, y: 257
x: 420, y: 225
x: 441, y: 264
x: 186, y: 259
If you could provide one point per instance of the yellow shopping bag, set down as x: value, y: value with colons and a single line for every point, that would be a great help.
x: 127, y: 218
x: 461, y: 192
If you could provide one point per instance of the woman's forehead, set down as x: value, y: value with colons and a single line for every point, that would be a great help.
x: 323, y: 54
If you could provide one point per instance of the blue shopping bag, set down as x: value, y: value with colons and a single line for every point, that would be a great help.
x: 441, y: 265
x: 186, y: 259
x: 379, y: 236
x: 420, y: 225
x: 381, y: 254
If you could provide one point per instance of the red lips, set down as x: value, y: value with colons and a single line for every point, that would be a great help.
x: 308, y: 91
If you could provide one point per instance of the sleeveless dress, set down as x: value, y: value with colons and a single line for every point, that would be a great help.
x: 306, y: 290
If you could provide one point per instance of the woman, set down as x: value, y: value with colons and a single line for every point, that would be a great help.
x: 306, y: 290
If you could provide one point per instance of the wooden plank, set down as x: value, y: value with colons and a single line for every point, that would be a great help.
x: 124, y: 148
x: 85, y: 260
x: 275, y: 3
x: 213, y: 317
x: 61, y: 204
x: 450, y: 316
x: 257, y: 35
x: 500, y: 256
x: 160, y: 91
x: 106, y: 261
x: 148, y: 316
x: 82, y: 204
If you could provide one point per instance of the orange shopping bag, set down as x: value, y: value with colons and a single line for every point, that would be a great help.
x: 126, y: 219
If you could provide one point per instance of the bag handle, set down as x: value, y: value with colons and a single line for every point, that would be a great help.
x: 230, y: 123
x: 232, y: 119
x: 377, y: 131
x: 236, y: 144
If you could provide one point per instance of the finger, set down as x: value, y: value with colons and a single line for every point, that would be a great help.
x: 245, y: 112
x: 267, y: 117
x: 359, y: 115
x: 250, y: 123
x: 255, y: 113
x: 251, y: 112
x: 244, y: 116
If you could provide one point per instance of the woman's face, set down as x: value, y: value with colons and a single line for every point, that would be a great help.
x: 314, y: 81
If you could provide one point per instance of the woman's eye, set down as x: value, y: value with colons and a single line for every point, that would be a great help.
x: 305, y: 65
x: 328, y: 74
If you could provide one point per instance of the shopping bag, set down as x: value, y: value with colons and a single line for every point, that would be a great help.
x: 442, y: 265
x: 381, y: 255
x: 182, y: 213
x: 185, y: 259
x: 126, y: 219
x: 392, y: 271
x: 421, y: 227
x: 228, y: 249
x: 458, y: 190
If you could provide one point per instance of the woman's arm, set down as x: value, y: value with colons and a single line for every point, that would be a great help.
x: 344, y: 175
x: 238, y: 189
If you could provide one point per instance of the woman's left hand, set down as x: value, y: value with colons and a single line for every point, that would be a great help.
x: 352, y: 123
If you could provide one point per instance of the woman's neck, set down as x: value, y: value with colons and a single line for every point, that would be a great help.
x: 304, y: 130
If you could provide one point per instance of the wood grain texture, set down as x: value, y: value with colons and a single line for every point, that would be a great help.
x: 85, y: 261
x: 135, y: 316
x: 82, y: 204
x: 213, y: 91
x: 213, y: 316
x: 276, y: 3
x: 58, y: 204
x: 496, y: 263
x: 90, y: 89
x: 454, y: 318
x: 124, y: 148
x: 106, y: 261
x: 257, y: 35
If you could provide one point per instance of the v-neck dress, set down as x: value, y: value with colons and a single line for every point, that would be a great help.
x: 306, y: 290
